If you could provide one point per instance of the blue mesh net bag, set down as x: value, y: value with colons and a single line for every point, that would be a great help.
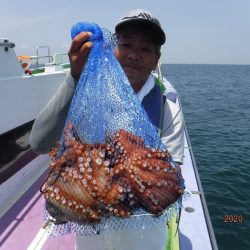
x: 111, y: 171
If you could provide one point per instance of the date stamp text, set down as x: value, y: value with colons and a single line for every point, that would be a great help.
x: 234, y: 218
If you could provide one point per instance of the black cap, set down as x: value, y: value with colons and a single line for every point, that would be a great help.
x: 145, y: 18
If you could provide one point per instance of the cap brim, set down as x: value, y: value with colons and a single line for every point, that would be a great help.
x: 157, y: 31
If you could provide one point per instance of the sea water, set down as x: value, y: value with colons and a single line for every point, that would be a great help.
x: 216, y: 106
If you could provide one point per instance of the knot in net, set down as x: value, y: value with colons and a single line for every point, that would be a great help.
x: 111, y: 170
x: 97, y: 34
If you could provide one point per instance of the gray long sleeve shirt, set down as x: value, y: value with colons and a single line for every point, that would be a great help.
x: 49, y: 124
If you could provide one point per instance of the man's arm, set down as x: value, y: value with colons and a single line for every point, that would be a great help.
x: 49, y: 124
x: 172, y: 133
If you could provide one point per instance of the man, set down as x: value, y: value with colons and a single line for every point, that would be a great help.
x: 138, y: 51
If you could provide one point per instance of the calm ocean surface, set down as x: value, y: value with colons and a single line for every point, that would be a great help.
x: 216, y: 106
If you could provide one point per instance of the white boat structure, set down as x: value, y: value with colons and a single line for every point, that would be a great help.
x: 22, y: 171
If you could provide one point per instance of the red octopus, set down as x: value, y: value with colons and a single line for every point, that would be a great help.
x: 89, y: 181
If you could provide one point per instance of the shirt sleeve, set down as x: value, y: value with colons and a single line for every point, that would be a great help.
x: 49, y: 124
x: 172, y: 133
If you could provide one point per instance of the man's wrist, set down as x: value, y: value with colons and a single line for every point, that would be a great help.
x: 71, y: 81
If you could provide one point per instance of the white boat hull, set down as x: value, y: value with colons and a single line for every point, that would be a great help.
x: 21, y: 98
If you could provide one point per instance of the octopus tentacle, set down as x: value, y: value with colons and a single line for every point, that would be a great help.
x: 89, y: 181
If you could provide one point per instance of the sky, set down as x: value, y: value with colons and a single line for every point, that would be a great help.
x: 198, y: 31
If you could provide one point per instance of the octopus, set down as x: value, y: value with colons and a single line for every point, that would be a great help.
x: 90, y: 181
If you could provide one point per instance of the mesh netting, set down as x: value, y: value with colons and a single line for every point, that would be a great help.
x: 104, y: 101
x: 104, y: 104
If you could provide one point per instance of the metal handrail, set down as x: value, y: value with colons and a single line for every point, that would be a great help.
x: 159, y: 72
x: 38, y: 57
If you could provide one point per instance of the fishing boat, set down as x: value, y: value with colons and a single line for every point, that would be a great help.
x: 22, y: 171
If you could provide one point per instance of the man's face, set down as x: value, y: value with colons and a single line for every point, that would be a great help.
x: 137, y: 55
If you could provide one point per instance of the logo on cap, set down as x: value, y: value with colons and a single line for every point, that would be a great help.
x: 141, y: 15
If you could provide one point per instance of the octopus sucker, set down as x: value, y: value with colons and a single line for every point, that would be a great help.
x: 91, y: 181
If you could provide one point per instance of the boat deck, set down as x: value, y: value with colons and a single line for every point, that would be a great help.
x: 21, y: 225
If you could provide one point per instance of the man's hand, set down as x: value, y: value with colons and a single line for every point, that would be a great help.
x: 78, y: 53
